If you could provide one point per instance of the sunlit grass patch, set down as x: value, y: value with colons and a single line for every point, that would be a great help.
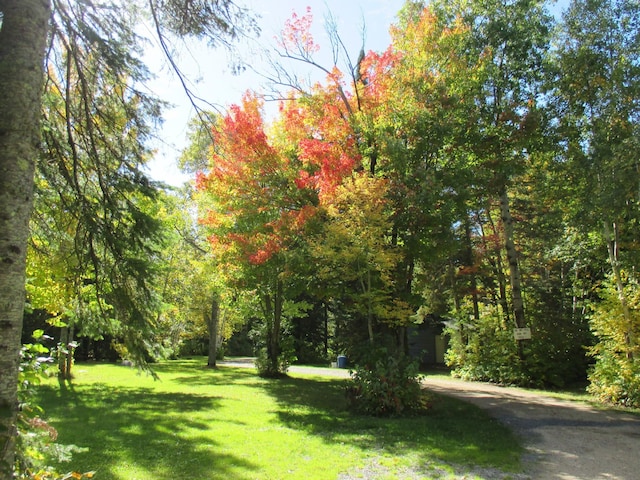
x: 201, y: 423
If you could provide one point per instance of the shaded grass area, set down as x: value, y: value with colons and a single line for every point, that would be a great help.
x: 227, y: 423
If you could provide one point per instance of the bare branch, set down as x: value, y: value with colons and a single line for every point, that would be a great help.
x: 176, y: 69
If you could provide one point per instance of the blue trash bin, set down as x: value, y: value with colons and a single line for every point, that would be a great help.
x: 342, y: 361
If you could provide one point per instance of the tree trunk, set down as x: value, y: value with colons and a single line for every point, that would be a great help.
x: 273, y: 314
x: 496, y: 265
x: 71, y: 346
x: 453, y: 286
x: 611, y: 237
x: 277, y: 325
x: 212, y: 326
x: 325, y: 310
x: 23, y: 36
x: 471, y: 264
x: 268, y: 313
x: 369, y: 307
x: 65, y: 351
x: 62, y: 357
x: 401, y: 340
x: 512, y: 259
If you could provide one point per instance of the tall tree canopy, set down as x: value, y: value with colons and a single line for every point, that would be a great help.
x: 455, y: 118
x: 598, y: 108
x: 93, y: 43
x: 92, y: 198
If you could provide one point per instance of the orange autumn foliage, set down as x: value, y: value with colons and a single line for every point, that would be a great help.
x: 262, y: 195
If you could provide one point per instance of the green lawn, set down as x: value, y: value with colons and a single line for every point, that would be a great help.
x: 197, y: 423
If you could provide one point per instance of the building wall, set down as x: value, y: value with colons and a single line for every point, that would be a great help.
x: 428, y: 343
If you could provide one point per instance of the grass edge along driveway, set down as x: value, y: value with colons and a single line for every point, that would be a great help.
x: 199, y: 423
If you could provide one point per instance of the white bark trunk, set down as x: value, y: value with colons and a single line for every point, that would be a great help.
x: 611, y: 237
x: 23, y: 37
x: 512, y: 258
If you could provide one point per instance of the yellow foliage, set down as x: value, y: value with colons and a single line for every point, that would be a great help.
x: 355, y: 247
x: 616, y: 374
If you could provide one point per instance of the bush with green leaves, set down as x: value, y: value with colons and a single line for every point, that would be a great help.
x: 267, y: 369
x: 273, y: 366
x: 286, y: 356
x: 385, y: 384
x: 485, y: 350
x: 36, y: 437
x: 615, y: 377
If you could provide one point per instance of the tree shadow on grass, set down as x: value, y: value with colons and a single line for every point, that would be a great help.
x: 451, y: 431
x: 165, y: 434
x: 141, y: 427
x: 199, y: 374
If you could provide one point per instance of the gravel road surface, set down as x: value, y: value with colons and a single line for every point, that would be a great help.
x: 564, y: 440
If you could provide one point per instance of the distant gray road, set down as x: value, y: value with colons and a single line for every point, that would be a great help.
x: 564, y: 440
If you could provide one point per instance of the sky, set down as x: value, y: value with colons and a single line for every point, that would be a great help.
x: 209, y: 70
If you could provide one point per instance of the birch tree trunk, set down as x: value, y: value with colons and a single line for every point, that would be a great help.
x: 470, y: 262
x: 23, y: 36
x: 65, y: 351
x: 512, y: 259
x: 611, y: 237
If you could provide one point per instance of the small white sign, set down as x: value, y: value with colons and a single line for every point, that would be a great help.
x: 522, y: 333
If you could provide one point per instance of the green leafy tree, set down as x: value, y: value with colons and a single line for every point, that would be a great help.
x: 183, y: 277
x: 23, y: 33
x: 417, y: 114
x: 197, y: 304
x: 481, y: 73
x: 354, y: 254
x: 614, y: 379
x: 510, y: 39
x: 193, y: 303
x: 94, y: 208
x: 460, y: 134
x: 255, y: 214
x: 195, y: 157
x: 597, y: 99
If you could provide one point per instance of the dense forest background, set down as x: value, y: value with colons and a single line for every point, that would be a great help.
x: 480, y: 175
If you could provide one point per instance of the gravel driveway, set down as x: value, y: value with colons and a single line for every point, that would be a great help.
x: 563, y: 440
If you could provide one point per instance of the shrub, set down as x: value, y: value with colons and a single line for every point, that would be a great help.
x: 266, y: 367
x: 385, y: 385
x: 485, y: 351
x: 36, y: 438
x: 615, y: 377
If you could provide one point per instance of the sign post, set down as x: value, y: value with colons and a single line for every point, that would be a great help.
x: 522, y: 333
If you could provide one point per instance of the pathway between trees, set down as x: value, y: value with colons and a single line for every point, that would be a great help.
x: 563, y: 440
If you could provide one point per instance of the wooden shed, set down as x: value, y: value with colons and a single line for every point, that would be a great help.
x: 428, y: 341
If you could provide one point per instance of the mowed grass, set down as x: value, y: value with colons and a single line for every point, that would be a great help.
x: 199, y: 423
